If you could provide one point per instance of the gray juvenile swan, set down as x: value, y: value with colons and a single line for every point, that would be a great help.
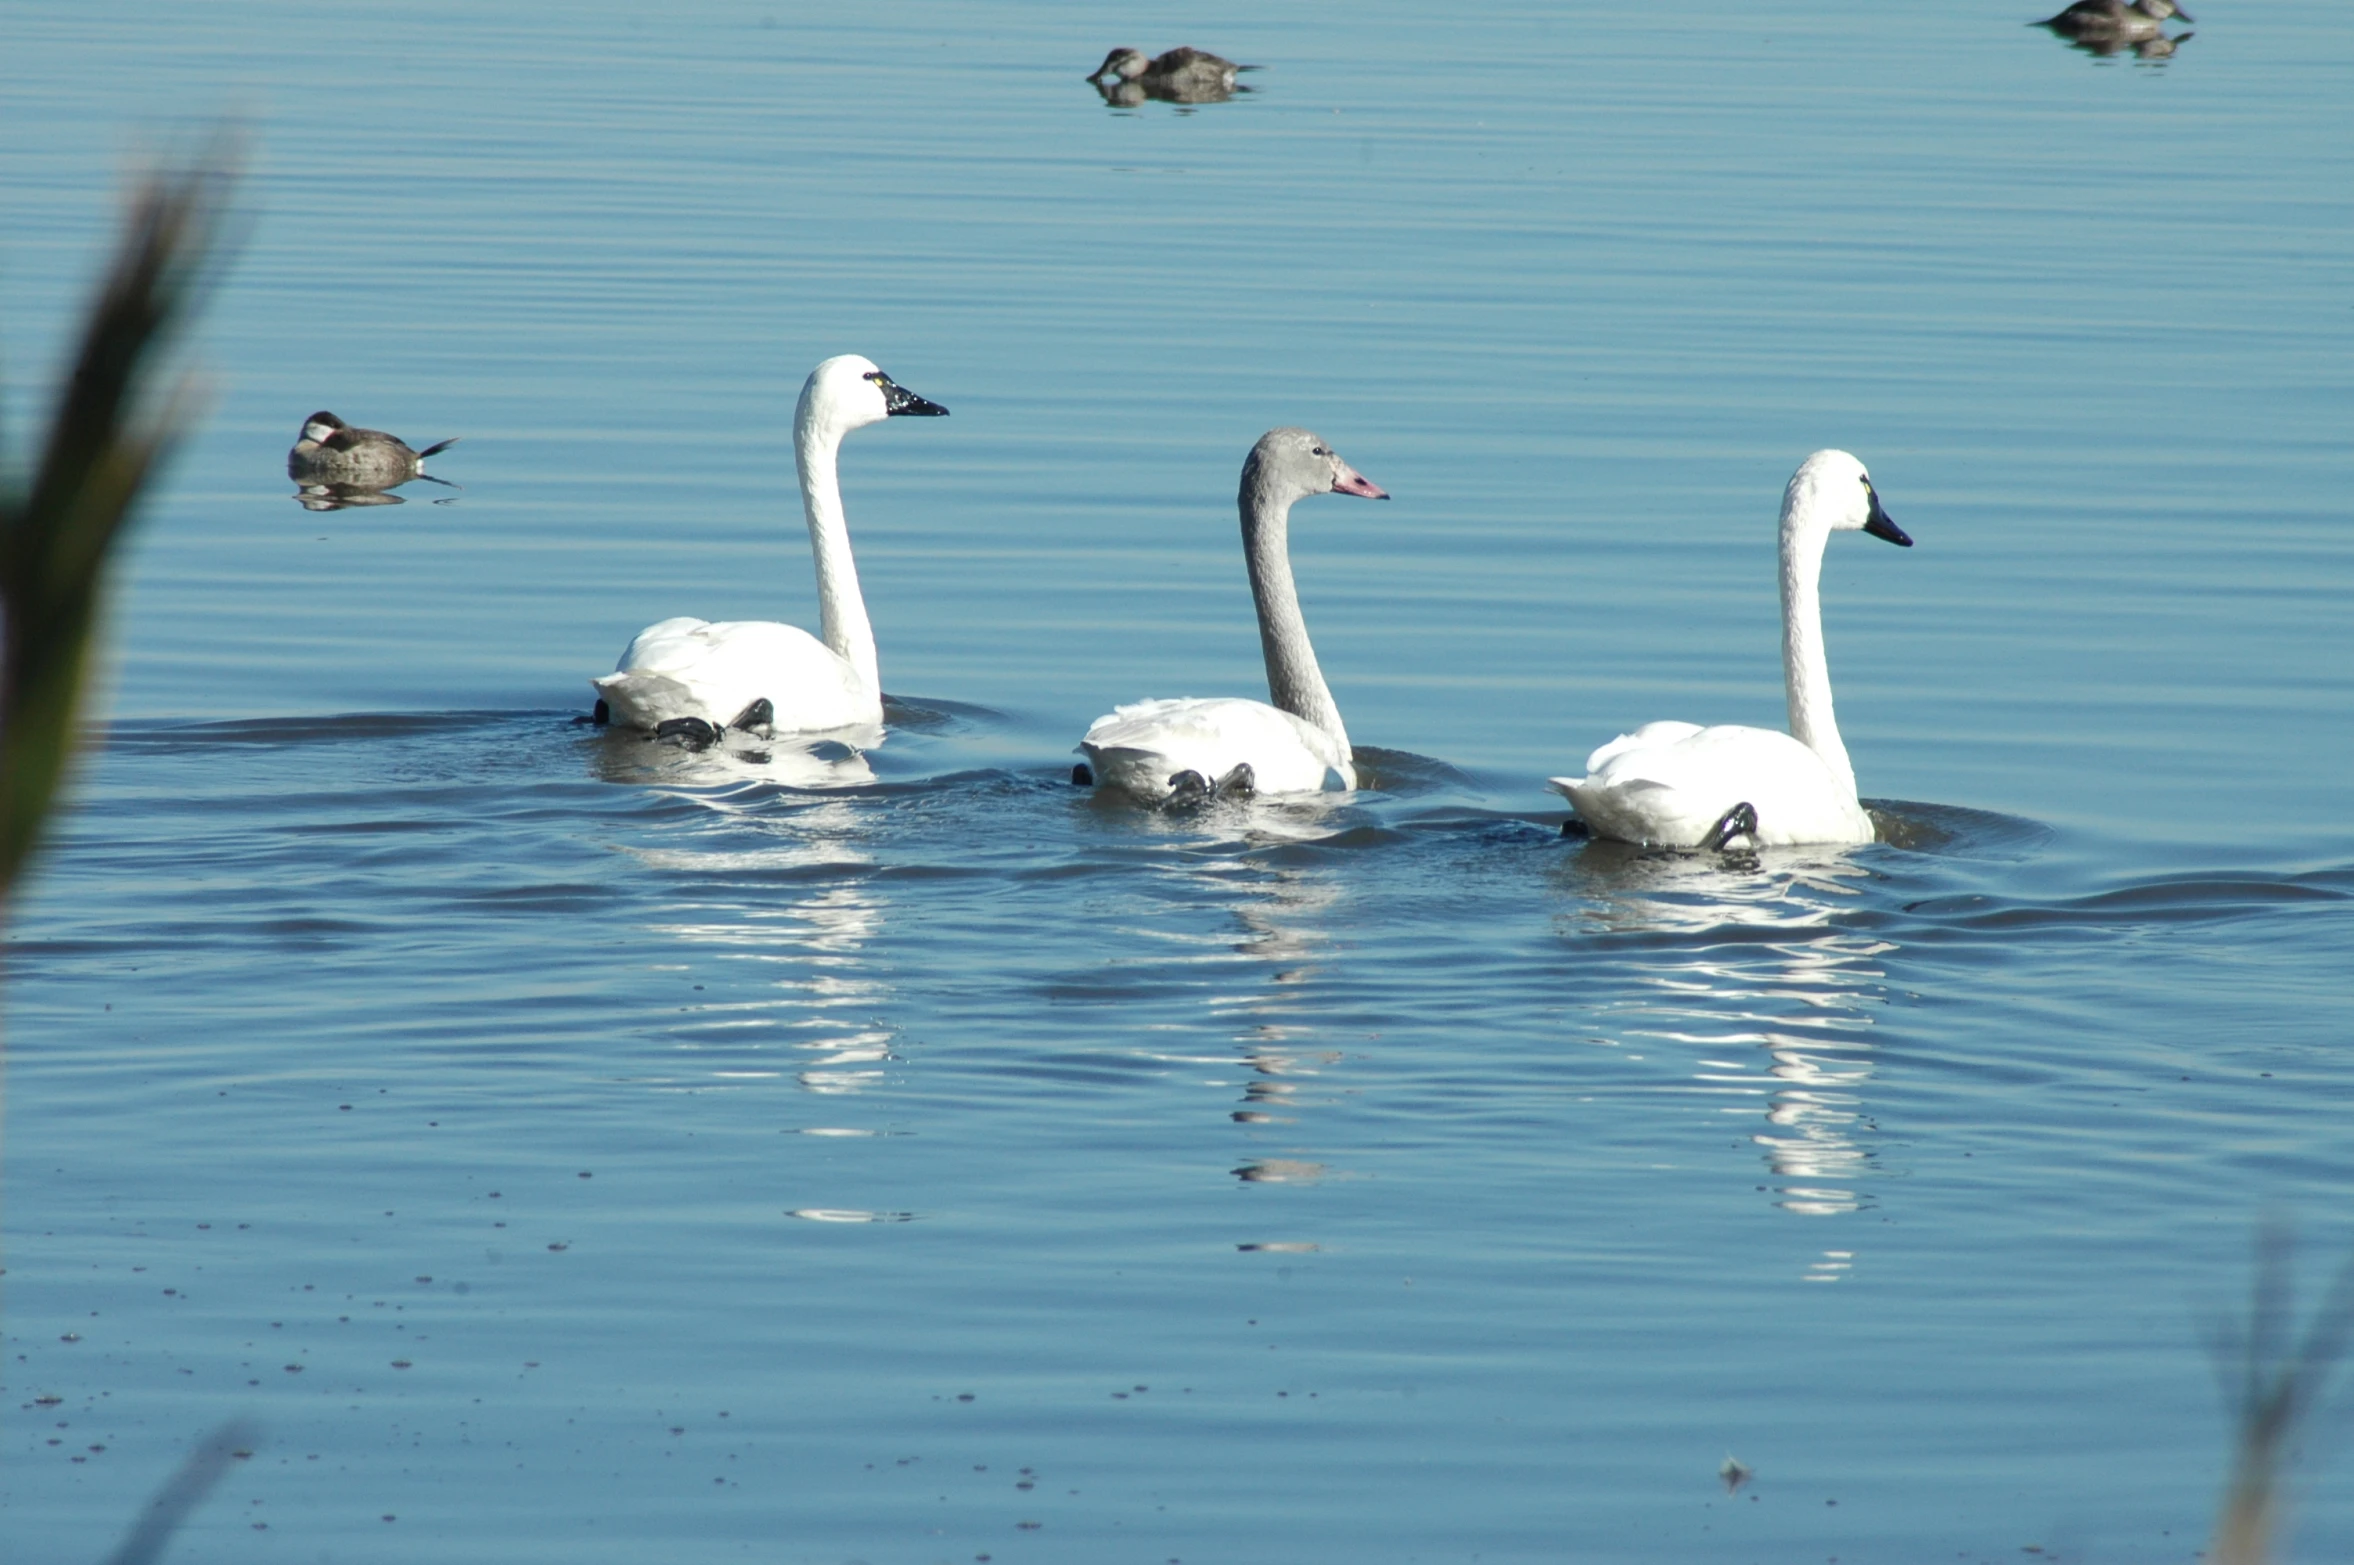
x: 329, y: 451
x: 1191, y: 746
x: 703, y: 676
x: 1678, y: 785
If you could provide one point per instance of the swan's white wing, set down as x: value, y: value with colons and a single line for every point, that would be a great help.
x: 1139, y: 747
x: 1667, y: 731
x: 715, y: 669
x: 1667, y: 784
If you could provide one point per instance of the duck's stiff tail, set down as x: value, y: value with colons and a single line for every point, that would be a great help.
x: 443, y: 445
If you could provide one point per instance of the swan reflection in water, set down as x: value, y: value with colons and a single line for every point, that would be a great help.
x: 1286, y: 1055
x: 1264, y: 978
x: 835, y: 760
x: 1778, y: 1006
x: 799, y: 907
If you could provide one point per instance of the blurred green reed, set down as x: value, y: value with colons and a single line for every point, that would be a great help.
x: 111, y: 432
x: 2275, y: 1379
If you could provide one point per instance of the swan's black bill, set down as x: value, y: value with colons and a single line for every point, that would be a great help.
x: 898, y: 400
x: 1880, y: 525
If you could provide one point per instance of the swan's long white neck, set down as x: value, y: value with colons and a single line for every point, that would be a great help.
x: 1294, y: 682
x: 842, y: 621
x: 1806, y: 673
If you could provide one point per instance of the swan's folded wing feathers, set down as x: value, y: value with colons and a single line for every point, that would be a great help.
x: 1140, y: 745
x: 1670, y: 794
x: 1665, y: 732
x: 714, y: 669
x: 641, y: 700
x: 1154, y: 724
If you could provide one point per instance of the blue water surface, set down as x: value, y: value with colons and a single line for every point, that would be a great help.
x: 564, y: 1147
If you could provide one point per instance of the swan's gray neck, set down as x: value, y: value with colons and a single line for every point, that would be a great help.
x: 1806, y: 673
x: 842, y: 621
x: 1294, y: 682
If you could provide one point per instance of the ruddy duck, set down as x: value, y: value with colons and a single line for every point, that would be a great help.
x: 1188, y: 75
x: 2115, y: 20
x: 332, y: 452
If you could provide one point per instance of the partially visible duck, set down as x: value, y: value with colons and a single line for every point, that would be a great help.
x: 1189, y: 75
x: 2120, y: 21
x: 333, y: 452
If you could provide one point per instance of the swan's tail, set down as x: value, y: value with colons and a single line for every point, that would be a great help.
x: 443, y: 445
x: 1577, y: 825
x: 1145, y: 773
x: 640, y: 700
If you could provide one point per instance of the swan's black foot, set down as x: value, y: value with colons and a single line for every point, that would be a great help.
x: 1739, y: 821
x: 692, y: 732
x: 757, y: 717
x: 1576, y: 830
x: 1187, y: 787
x: 1081, y: 777
x: 602, y: 714
x: 1240, y: 783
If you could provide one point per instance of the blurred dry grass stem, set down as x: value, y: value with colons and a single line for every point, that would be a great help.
x: 183, y: 1492
x: 2274, y: 1380
x: 109, y: 435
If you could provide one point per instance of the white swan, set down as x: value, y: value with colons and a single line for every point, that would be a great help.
x: 1158, y: 750
x: 704, y: 676
x: 1683, y: 786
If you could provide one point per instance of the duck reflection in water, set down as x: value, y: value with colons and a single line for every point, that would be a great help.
x: 2107, y: 27
x: 1129, y: 77
x: 340, y: 466
x: 344, y: 497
